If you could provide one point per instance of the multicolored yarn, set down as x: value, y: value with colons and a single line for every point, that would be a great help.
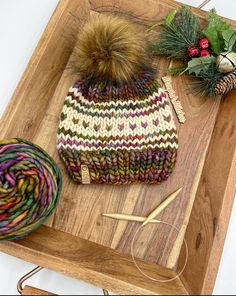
x: 122, y: 134
x: 30, y: 186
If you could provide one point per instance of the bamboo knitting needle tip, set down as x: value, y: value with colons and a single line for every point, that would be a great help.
x: 162, y: 206
x: 128, y: 217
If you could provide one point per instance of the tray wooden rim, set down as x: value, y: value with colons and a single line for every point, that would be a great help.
x: 42, y: 247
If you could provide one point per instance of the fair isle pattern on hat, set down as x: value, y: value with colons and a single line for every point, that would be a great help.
x: 122, y: 134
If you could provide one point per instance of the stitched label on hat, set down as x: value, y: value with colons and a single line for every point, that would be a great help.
x: 85, y: 174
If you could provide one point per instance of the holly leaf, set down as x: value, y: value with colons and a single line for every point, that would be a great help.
x: 217, y: 21
x: 170, y: 17
x: 214, y: 31
x: 229, y: 38
x: 198, y: 65
x: 217, y: 44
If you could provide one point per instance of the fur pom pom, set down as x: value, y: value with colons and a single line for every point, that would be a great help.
x: 110, y: 49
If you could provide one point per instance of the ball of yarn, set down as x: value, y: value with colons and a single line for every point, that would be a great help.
x: 30, y: 186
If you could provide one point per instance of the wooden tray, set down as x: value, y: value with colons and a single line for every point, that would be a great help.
x: 77, y: 240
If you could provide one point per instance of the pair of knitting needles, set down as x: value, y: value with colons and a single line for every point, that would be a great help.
x: 151, y: 216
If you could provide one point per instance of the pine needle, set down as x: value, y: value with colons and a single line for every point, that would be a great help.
x: 176, y: 37
x: 210, y: 78
x: 176, y: 70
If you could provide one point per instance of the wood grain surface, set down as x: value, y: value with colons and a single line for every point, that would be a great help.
x: 93, y: 263
x: 80, y: 208
x: 208, y: 223
x: 33, y: 113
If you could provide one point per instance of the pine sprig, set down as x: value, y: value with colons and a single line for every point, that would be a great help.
x: 178, y: 70
x: 182, y: 38
x: 209, y: 79
x: 178, y: 35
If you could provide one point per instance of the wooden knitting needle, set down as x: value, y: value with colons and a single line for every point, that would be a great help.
x: 162, y: 206
x: 129, y: 218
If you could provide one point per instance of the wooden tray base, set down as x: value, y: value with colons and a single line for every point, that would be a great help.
x: 77, y: 240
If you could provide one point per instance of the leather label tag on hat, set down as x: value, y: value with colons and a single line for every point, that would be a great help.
x: 85, y: 174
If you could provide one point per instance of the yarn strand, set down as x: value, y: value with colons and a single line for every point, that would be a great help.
x: 142, y: 272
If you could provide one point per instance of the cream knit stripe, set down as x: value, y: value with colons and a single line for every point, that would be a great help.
x: 138, y: 148
x: 98, y: 111
x: 144, y: 125
x: 78, y: 129
x: 144, y: 139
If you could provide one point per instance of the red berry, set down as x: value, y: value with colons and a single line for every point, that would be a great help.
x: 204, y: 43
x: 193, y: 52
x: 204, y: 53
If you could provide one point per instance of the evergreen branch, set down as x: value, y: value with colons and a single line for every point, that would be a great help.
x: 176, y: 70
x: 209, y: 79
x: 178, y: 35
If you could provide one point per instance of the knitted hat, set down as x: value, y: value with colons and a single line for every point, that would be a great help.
x: 116, y: 125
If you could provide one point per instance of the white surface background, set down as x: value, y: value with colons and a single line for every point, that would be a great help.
x: 21, y: 24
